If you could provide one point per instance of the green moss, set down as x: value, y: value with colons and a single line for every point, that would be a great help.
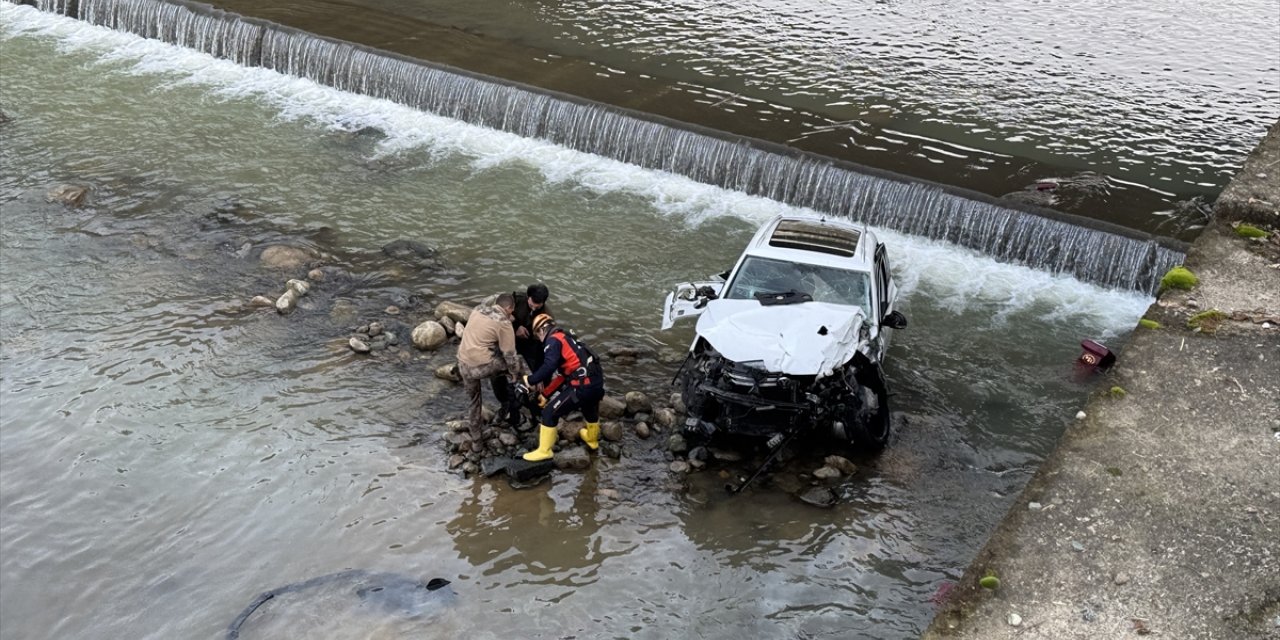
x: 1178, y: 278
x: 1148, y: 324
x: 1118, y: 392
x: 989, y: 581
x: 1115, y: 471
x: 1250, y: 231
x: 1206, y: 321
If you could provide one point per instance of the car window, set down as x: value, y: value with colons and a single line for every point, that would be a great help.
x: 825, y: 284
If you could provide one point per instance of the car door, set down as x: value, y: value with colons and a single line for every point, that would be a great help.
x: 886, y: 299
x: 689, y: 299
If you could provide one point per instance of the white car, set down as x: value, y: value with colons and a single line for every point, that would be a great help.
x: 792, y: 338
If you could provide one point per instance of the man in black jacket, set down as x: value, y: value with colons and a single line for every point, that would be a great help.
x: 529, y: 305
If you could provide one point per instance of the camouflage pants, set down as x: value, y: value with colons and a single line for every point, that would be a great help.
x: 472, y: 377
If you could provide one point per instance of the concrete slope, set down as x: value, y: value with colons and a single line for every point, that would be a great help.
x: 1159, y: 513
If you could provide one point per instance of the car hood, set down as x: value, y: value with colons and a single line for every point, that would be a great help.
x: 784, y: 338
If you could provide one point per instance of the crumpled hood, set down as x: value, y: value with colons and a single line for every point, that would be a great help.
x: 786, y: 337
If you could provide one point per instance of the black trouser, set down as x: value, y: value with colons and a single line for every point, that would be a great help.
x: 567, y: 398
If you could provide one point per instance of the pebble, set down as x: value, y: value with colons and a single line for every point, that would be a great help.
x: 826, y: 473
x: 642, y: 430
x: 1080, y: 415
x: 315, y: 275
x: 262, y: 301
x: 1121, y: 578
x: 1077, y: 546
x: 358, y: 345
x: 1034, y: 506
x: 375, y: 328
x: 392, y: 310
x: 1015, y: 620
x: 680, y: 466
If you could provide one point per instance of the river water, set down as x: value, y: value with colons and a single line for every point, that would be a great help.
x: 167, y: 453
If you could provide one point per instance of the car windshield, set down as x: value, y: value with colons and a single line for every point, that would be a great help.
x: 825, y: 284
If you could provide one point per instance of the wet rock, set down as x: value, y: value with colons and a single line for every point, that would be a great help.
x: 1121, y: 578
x: 841, y: 464
x: 612, y: 450
x: 448, y: 372
x: 453, y: 311
x: 573, y: 459
x: 638, y: 402
x: 699, y: 453
x: 392, y: 339
x: 826, y: 473
x: 447, y: 323
x: 677, y: 403
x: 378, y: 345
x: 429, y: 335
x: 68, y: 194
x: 357, y: 345
x: 412, y: 252
x: 642, y: 431
x: 612, y: 408
x: 569, y: 430
x: 520, y: 470
x: 458, y: 327
x: 677, y: 444
x: 666, y: 418
x: 609, y: 494
x: 375, y: 329
x: 697, y: 464
x: 457, y: 425
x: 315, y: 275
x: 287, y: 302
x: 392, y: 310
x: 679, y: 466
x: 818, y: 497
x: 299, y: 287
x: 611, y: 431
x: 262, y: 301
x: 280, y: 256
x: 508, y: 439
x: 726, y: 455
x: 456, y: 461
x: 470, y: 468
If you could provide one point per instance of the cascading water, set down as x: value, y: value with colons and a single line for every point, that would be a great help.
x: 1086, y: 249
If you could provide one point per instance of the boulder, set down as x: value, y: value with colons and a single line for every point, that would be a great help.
x: 280, y: 256
x: 457, y: 312
x: 287, y: 302
x: 612, y: 408
x: 573, y: 459
x: 448, y: 372
x: 638, y: 402
x: 429, y: 335
x: 68, y: 194
x: 357, y: 345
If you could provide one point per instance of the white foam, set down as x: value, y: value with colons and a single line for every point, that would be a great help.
x: 956, y: 278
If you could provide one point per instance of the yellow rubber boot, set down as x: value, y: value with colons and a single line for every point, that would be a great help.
x: 546, y: 440
x: 591, y: 435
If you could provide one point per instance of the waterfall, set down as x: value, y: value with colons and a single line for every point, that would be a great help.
x: 1090, y: 250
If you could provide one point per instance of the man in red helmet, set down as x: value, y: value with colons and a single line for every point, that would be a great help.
x: 571, y: 379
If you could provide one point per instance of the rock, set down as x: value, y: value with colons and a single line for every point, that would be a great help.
x: 392, y: 339
x: 677, y: 402
x: 573, y: 459
x: 392, y: 310
x: 375, y: 329
x: 680, y: 466
x: 642, y: 431
x: 363, y: 329
x: 315, y: 275
x: 608, y: 494
x: 457, y: 425
x: 521, y: 470
x: 412, y: 252
x: 448, y: 372
x: 1034, y: 506
x: 1077, y: 547
x: 493, y: 466
x: 453, y: 311
x: 287, y: 302
x: 358, y: 345
x: 569, y: 430
x: 611, y: 449
x: 638, y: 402
x: 429, y: 335
x: 726, y: 455
x: 456, y: 461
x: 457, y: 329
x: 1080, y: 415
x: 612, y: 408
x: 68, y: 194
x: 677, y: 444
x: 818, y: 497
x: 1015, y: 620
x: 841, y: 464
x: 262, y: 301
x: 470, y: 468
x: 666, y: 418
x: 280, y: 256
x: 299, y: 287
x: 611, y: 431
x: 378, y: 345
x: 508, y: 439
x: 447, y: 323
x: 1121, y: 578
x: 826, y: 473
x: 626, y: 351
x: 698, y: 453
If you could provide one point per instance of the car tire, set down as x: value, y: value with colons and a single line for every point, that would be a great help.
x: 872, y: 434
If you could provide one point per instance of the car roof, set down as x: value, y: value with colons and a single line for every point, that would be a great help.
x: 835, y: 242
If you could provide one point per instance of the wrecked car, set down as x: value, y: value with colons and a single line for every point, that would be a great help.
x: 792, y: 338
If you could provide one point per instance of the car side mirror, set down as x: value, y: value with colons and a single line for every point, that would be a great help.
x: 894, y: 320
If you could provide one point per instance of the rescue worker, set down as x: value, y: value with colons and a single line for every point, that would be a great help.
x: 488, y: 351
x: 570, y: 378
x: 529, y: 305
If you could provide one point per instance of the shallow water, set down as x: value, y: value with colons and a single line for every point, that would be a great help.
x: 167, y: 454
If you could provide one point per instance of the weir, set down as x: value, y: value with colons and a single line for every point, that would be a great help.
x: 1087, y: 249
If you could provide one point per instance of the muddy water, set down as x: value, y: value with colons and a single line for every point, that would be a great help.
x: 167, y: 453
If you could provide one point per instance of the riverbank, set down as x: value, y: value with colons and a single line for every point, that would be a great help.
x: 1159, y: 513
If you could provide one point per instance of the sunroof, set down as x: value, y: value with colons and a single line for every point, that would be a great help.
x: 798, y: 234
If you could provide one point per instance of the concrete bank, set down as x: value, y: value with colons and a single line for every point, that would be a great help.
x: 1159, y: 512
